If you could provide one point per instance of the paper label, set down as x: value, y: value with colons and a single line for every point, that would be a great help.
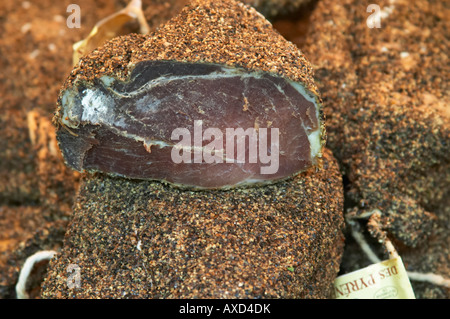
x: 385, y: 280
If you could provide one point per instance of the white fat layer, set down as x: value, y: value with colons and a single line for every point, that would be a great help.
x: 107, y: 80
x: 70, y: 117
x: 160, y: 144
x: 95, y: 106
x: 314, y: 137
x: 315, y: 143
x: 162, y: 80
x: 301, y: 89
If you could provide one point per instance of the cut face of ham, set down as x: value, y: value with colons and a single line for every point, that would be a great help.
x: 199, y: 125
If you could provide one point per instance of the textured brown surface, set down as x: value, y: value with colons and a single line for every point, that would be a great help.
x: 36, y: 53
x: 147, y: 240
x: 345, y: 54
x: 157, y: 12
x: 36, y: 189
x: 29, y: 234
x: 16, y: 157
x: 386, y: 100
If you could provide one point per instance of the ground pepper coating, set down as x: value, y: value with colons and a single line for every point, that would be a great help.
x: 138, y: 239
x: 386, y: 101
